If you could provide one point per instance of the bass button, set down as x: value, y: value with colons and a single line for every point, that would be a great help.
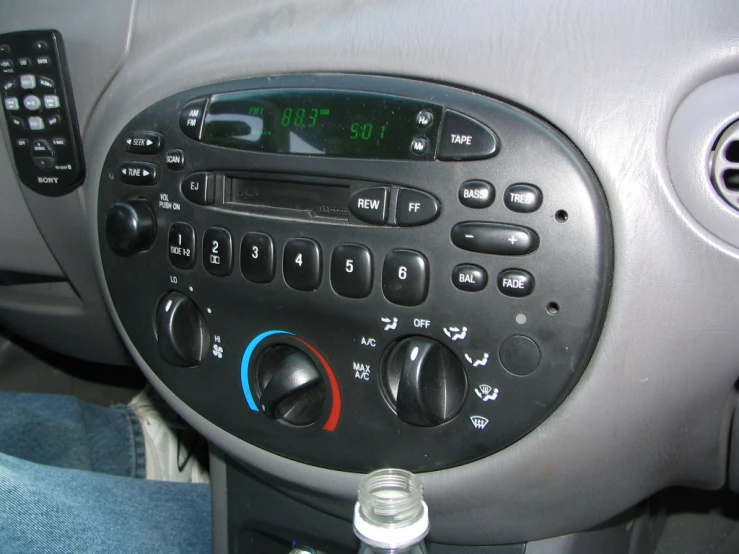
x: 476, y: 194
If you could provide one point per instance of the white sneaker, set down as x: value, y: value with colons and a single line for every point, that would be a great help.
x: 169, y: 442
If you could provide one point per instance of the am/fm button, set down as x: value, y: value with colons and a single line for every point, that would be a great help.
x: 370, y: 205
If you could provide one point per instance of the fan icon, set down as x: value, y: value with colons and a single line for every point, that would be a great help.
x: 218, y: 351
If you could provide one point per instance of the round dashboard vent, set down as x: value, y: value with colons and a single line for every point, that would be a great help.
x: 725, y: 165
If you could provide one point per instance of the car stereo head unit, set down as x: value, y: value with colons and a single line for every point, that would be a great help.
x: 356, y: 271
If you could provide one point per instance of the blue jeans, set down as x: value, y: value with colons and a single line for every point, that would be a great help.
x: 71, y: 481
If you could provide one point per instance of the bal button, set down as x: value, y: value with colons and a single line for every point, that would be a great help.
x: 469, y: 277
x: 463, y: 138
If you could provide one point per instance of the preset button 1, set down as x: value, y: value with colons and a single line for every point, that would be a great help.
x: 258, y: 258
x: 181, y: 245
x: 301, y: 264
x: 405, y: 277
x: 370, y: 205
x: 217, y: 251
x: 351, y: 270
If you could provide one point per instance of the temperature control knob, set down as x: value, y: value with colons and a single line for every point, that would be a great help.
x: 182, y: 333
x: 424, y: 381
x: 291, y: 387
x: 130, y: 226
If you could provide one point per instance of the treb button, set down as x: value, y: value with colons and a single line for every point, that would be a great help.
x: 463, y: 138
x: 370, y: 205
x: 415, y: 208
x: 523, y: 198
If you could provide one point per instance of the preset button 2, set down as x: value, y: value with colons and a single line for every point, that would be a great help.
x: 301, y: 264
x: 217, y: 251
x: 181, y: 245
x: 351, y: 270
x: 405, y: 277
x: 258, y: 258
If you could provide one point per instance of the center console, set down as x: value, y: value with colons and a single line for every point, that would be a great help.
x: 356, y: 272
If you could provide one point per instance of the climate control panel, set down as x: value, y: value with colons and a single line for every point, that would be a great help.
x: 354, y: 271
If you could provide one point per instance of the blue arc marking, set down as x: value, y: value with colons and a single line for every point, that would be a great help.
x: 246, y: 360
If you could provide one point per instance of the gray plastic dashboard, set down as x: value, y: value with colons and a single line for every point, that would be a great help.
x: 654, y: 406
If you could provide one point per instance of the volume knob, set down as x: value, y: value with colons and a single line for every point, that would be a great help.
x: 130, y: 226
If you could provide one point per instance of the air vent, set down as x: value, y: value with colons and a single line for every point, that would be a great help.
x: 725, y: 165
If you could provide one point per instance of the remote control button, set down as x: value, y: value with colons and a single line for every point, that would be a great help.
x: 24, y: 63
x: 415, y: 208
x: 42, y: 154
x: 32, y: 103
x: 28, y: 82
x: 17, y: 122
x: 463, y: 138
x: 39, y: 46
x: 11, y: 104
x: 139, y: 173
x: 175, y: 159
x: 301, y: 264
x: 405, y: 277
x: 351, y: 270
x: 191, y: 118
x: 515, y: 282
x: 21, y: 142
x: 217, y: 251
x: 523, y: 198
x: 469, y: 277
x: 370, y: 205
x: 181, y: 246
x: 53, y: 120
x: 35, y: 123
x: 140, y: 142
x: 494, y: 238
x: 43, y: 61
x: 199, y: 188
x: 5, y: 50
x: 258, y: 258
x: 9, y: 86
x: 476, y: 194
x: 51, y: 101
x: 45, y: 82
x: 6, y: 66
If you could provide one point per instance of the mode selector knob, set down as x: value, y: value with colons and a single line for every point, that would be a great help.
x: 182, y: 333
x: 130, y: 226
x: 291, y: 388
x: 424, y: 381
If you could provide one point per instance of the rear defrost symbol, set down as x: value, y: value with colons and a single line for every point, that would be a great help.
x: 479, y: 422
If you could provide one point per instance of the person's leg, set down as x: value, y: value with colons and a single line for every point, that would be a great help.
x: 45, y: 509
x: 65, y: 432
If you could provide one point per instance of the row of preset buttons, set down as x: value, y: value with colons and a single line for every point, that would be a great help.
x: 405, y: 273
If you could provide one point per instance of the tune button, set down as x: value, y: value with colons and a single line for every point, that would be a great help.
x: 182, y: 245
x: 301, y: 264
x: 217, y: 251
x: 139, y: 173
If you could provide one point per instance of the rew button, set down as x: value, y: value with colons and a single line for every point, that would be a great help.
x: 370, y: 205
